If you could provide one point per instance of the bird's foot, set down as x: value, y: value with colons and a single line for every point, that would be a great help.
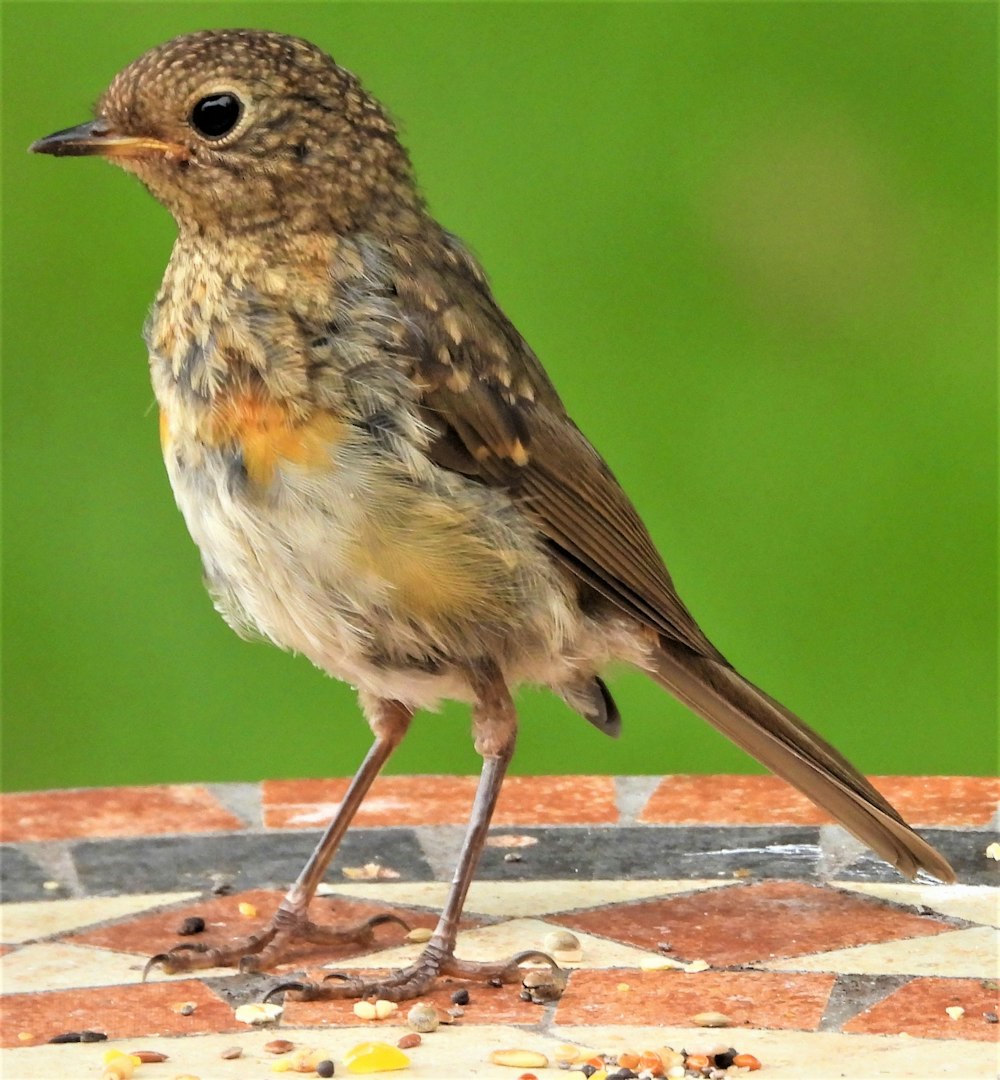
x: 258, y: 952
x: 540, y: 985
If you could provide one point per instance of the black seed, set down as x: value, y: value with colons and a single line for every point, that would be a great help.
x: 991, y: 1018
x: 460, y: 997
x: 724, y: 1059
x: 67, y: 1037
x: 324, y: 1068
x: 92, y: 1036
x: 193, y: 924
x: 588, y: 1070
x: 496, y: 981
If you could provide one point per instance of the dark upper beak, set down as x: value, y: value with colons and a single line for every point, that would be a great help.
x: 98, y: 137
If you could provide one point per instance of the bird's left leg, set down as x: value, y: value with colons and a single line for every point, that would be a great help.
x: 389, y: 721
x: 495, y: 731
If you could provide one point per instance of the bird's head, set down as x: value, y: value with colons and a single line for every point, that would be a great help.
x: 243, y: 130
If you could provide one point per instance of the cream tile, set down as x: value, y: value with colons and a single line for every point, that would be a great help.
x: 38, y: 919
x: 58, y: 966
x: 505, y: 939
x: 973, y: 954
x: 521, y: 899
x: 977, y: 903
x: 792, y: 1055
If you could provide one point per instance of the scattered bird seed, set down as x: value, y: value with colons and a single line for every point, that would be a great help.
x: 324, y: 1067
x: 67, y: 1037
x: 25, y: 1036
x: 365, y: 1010
x: 258, y: 1012
x: 373, y: 1057
x: 560, y: 941
x: 384, y: 1009
x: 93, y: 1036
x: 50, y: 886
x: 519, y: 1059
x: 193, y: 924
x: 148, y: 1056
x: 513, y: 856
x: 231, y: 1053
x: 992, y: 852
x: 746, y: 1061
x: 279, y: 1046
x: 419, y: 934
x: 248, y: 911
x: 423, y: 1017
x: 712, y: 1019
x: 460, y: 997
x: 956, y: 1012
x: 724, y: 1058
x: 409, y: 1041
x: 187, y: 1008
x: 991, y: 1017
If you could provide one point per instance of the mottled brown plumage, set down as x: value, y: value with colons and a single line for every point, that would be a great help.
x: 375, y: 466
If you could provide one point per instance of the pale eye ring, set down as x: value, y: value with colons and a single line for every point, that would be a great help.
x: 216, y: 115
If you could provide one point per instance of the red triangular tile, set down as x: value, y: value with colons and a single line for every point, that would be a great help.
x: 918, y: 1009
x: 742, y: 924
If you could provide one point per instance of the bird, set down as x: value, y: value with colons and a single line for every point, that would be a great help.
x: 377, y: 470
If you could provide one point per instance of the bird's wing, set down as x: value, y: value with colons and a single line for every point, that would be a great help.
x: 498, y: 418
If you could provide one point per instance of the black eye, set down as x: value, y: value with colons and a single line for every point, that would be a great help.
x: 216, y: 115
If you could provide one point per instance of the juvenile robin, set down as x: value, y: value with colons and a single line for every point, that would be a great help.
x: 375, y: 466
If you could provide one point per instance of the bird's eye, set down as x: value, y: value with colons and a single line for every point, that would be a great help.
x: 216, y: 115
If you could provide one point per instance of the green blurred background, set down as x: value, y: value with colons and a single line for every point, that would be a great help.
x: 753, y: 243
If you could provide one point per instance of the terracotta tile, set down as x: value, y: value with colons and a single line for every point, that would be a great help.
x: 157, y: 932
x: 88, y: 813
x: 729, y: 800
x: 442, y: 800
x: 765, y: 800
x: 31, y: 920
x: 750, y: 998
x: 942, y: 800
x: 918, y: 1009
x: 749, y: 923
x: 136, y: 1010
x: 487, y: 1005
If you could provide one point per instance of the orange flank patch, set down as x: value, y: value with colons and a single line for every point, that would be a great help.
x: 268, y: 432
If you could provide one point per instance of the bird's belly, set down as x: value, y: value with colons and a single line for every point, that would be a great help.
x: 390, y: 587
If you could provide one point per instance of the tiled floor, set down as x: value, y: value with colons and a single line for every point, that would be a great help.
x: 826, y: 963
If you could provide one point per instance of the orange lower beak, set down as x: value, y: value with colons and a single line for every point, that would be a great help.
x: 97, y: 137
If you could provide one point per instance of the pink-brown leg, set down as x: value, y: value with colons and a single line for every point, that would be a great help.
x: 389, y: 721
x: 495, y: 731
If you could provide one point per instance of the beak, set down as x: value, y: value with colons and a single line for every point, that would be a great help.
x: 97, y: 137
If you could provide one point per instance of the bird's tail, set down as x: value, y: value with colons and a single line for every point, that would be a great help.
x: 780, y: 740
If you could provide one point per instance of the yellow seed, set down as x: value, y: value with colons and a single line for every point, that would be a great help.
x: 247, y: 910
x: 364, y: 1010
x: 419, y: 934
x: 696, y: 965
x: 281, y: 1065
x: 25, y: 1036
x: 258, y: 1013
x: 519, y: 1059
x: 369, y: 1057
x: 623, y: 987
x: 384, y: 1009
x: 956, y: 1012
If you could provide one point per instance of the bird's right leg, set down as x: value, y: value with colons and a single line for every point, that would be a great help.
x: 389, y: 721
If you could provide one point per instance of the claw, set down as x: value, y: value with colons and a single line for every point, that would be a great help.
x: 161, y: 958
x: 298, y: 987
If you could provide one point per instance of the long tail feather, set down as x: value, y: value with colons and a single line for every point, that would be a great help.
x: 781, y: 741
